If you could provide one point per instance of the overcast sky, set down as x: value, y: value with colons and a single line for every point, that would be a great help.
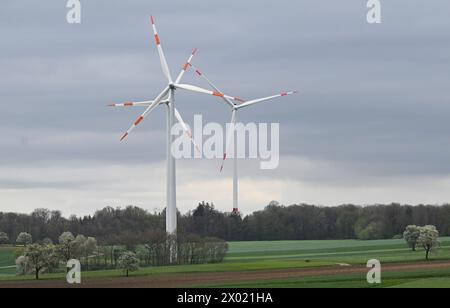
x: 370, y: 123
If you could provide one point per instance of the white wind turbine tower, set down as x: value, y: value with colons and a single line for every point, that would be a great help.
x: 232, y: 133
x: 167, y: 97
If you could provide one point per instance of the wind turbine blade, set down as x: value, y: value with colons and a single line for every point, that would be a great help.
x: 230, y: 133
x: 192, y: 88
x: 260, y: 100
x: 162, y: 57
x: 186, y: 66
x: 137, y: 104
x: 186, y: 129
x: 132, y: 104
x: 227, y: 100
x: 147, y: 112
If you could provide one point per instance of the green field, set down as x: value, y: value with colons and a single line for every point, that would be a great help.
x: 286, y: 255
x: 340, y: 251
x: 419, y: 279
x: 7, y: 262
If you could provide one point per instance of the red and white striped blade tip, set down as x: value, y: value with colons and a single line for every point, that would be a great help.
x: 124, y: 136
x: 223, y: 161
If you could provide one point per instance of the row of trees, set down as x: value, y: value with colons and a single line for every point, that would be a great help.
x: 22, y: 239
x: 47, y: 257
x: 276, y: 222
x: 155, y: 249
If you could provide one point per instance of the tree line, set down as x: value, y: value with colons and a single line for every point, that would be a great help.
x: 128, y: 226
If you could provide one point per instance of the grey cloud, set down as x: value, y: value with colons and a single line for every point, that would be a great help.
x: 374, y: 100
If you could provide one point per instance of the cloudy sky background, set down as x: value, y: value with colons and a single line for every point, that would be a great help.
x: 370, y: 124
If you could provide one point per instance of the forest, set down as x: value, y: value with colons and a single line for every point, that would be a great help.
x: 129, y: 226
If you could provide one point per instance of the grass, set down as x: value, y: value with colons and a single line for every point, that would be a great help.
x: 426, y: 283
x: 7, y: 261
x: 190, y: 269
x: 277, y: 255
x: 346, y: 251
x: 6, y: 256
x: 416, y: 279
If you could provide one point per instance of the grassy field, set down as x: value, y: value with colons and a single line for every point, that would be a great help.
x: 7, y: 262
x: 341, y: 251
x: 318, y: 264
x: 415, y: 279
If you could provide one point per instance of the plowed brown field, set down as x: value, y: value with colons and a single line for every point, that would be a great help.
x: 205, y: 279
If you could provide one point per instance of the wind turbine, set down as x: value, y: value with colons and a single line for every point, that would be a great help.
x: 232, y: 133
x: 167, y: 97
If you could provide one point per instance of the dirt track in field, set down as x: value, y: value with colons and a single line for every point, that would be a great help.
x: 198, y: 279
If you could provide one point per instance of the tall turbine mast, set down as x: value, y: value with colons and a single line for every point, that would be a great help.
x: 167, y: 97
x: 232, y: 132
